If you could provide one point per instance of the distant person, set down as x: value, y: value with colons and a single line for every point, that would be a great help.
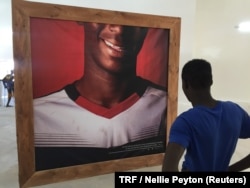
x: 209, y: 131
x: 8, y: 82
x: 109, y: 113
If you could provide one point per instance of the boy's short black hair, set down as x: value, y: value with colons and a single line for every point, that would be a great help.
x: 198, y: 73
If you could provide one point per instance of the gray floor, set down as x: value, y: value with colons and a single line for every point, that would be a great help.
x: 9, y: 167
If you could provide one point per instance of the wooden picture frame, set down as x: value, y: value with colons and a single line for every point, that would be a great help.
x: 22, y: 12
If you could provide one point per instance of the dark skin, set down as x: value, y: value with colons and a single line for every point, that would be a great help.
x: 174, y: 151
x: 110, y: 62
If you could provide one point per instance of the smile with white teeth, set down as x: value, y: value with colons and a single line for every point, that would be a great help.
x: 117, y: 48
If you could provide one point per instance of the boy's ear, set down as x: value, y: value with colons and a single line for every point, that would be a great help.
x: 185, y: 84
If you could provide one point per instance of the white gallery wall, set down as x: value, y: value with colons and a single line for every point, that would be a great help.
x: 217, y: 39
x: 207, y: 31
x: 6, y: 52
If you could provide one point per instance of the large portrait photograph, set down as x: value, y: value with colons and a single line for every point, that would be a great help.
x: 94, y: 92
x: 103, y: 96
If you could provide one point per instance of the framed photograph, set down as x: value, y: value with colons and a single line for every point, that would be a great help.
x: 95, y: 90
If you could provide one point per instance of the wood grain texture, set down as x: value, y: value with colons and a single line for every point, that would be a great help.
x: 89, y: 170
x: 22, y: 11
